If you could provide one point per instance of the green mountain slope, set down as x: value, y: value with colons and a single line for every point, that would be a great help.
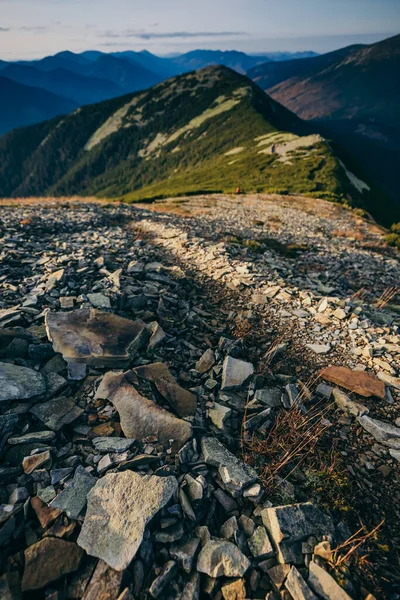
x: 208, y: 131
x: 351, y: 95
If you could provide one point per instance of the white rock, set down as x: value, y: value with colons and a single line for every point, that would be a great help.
x: 297, y: 587
x: 119, y: 507
x: 346, y: 404
x: 340, y: 314
x: 324, y: 585
x: 319, y: 348
x: 222, y: 559
x: 218, y: 414
x: 235, y: 372
x: 389, y: 379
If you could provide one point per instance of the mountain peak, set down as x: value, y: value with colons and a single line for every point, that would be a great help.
x: 207, y: 130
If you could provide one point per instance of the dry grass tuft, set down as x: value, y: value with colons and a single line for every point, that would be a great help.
x: 388, y: 295
x: 348, y: 550
x: 291, y: 440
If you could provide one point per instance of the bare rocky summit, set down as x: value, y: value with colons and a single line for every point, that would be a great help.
x: 170, y: 427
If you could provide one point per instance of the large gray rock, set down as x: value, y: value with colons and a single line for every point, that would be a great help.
x: 324, y: 585
x: 297, y: 587
x: 72, y: 500
x: 57, y: 412
x: 384, y: 433
x: 234, y: 472
x: 139, y: 416
x: 119, y: 507
x: 295, y: 522
x: 95, y: 338
x: 222, y: 559
x: 110, y: 444
x: 235, y: 373
x: 20, y: 383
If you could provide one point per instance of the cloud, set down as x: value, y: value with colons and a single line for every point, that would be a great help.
x: 34, y: 29
x: 29, y: 28
x: 150, y: 35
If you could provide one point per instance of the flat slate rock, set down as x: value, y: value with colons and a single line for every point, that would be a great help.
x: 57, y: 412
x: 183, y: 402
x: 234, y: 472
x: 112, y: 444
x: 297, y: 587
x: 48, y: 560
x: 140, y: 417
x: 20, y: 383
x: 235, y: 373
x: 28, y: 438
x: 384, y: 433
x: 72, y: 500
x: 362, y: 383
x: 94, y: 337
x: 324, y: 585
x: 206, y: 361
x: 119, y: 507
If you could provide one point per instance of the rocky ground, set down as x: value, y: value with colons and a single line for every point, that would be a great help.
x: 200, y: 400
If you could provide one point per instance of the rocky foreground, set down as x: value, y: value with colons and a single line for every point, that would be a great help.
x: 152, y: 364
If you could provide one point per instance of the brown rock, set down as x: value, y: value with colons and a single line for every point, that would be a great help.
x: 94, y: 337
x: 141, y: 417
x: 105, y: 429
x: 182, y: 401
x: 62, y: 528
x: 42, y: 459
x: 45, y: 514
x: 154, y: 372
x: 206, y: 361
x: 361, y: 382
x: 48, y: 560
x: 234, y: 590
x: 278, y: 575
x: 105, y: 583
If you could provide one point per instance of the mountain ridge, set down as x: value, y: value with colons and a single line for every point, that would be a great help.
x: 351, y: 96
x: 93, y: 76
x: 211, y: 130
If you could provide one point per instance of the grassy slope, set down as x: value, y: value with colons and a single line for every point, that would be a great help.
x: 50, y: 159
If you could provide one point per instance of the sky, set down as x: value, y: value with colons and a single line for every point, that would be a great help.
x: 36, y: 28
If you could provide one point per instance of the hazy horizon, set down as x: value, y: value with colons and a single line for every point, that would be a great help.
x: 32, y: 29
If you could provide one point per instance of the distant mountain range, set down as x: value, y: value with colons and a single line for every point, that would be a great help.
x: 93, y: 76
x: 211, y: 130
x: 353, y: 95
x: 23, y: 105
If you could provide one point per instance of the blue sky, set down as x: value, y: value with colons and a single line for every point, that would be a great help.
x: 34, y: 28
